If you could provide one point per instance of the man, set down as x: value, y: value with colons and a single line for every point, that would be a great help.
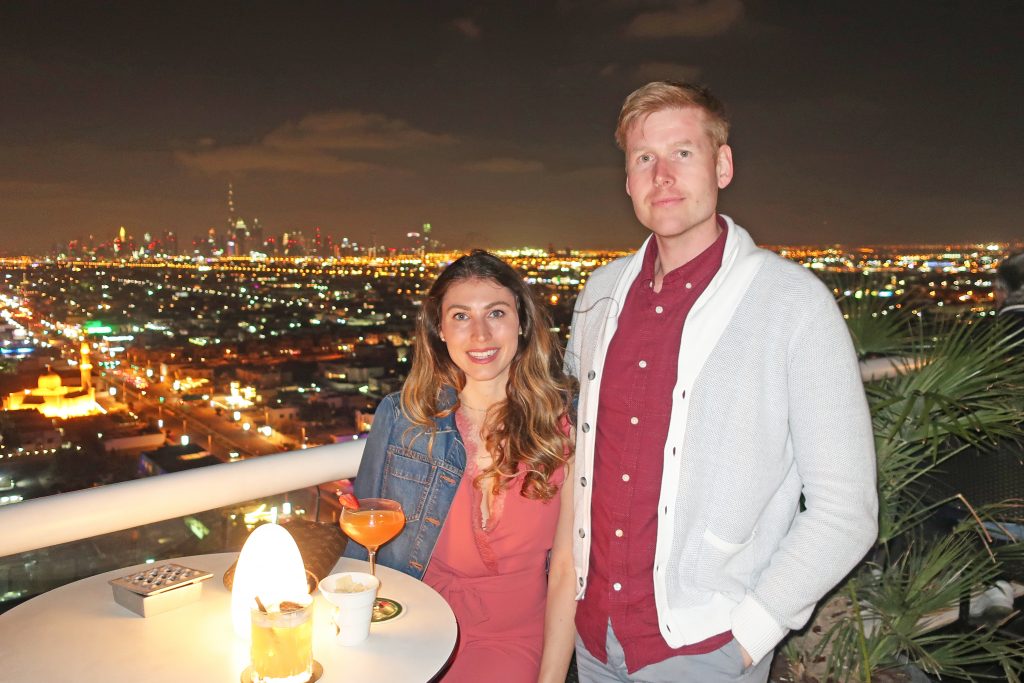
x: 718, y: 386
x: 1009, y: 291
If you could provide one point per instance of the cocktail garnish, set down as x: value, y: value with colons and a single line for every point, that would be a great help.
x: 348, y: 500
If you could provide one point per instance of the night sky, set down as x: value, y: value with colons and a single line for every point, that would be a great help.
x: 855, y: 122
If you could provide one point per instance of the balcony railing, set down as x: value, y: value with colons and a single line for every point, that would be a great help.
x: 52, y: 520
x: 48, y: 542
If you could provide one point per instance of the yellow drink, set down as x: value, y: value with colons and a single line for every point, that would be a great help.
x: 282, y: 646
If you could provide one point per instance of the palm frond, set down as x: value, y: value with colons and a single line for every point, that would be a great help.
x: 877, y: 325
x: 962, y: 393
x: 901, y: 593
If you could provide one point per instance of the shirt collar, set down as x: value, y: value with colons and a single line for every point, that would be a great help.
x: 699, y: 269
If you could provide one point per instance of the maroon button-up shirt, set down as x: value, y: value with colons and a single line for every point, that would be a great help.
x: 639, y: 376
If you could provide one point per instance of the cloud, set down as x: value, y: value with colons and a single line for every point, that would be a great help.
x: 506, y: 165
x: 666, y: 71
x: 315, y: 144
x: 346, y: 130
x: 468, y: 28
x: 691, y: 19
x: 259, y: 158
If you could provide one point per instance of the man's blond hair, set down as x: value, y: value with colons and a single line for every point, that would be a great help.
x: 660, y: 95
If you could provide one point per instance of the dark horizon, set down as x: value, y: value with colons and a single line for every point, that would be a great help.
x: 852, y: 124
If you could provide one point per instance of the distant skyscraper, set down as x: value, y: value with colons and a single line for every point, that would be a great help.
x: 170, y: 242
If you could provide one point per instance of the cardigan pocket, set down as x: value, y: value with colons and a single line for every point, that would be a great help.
x: 407, y: 480
x: 721, y: 562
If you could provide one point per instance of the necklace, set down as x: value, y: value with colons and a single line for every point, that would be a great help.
x: 463, y: 404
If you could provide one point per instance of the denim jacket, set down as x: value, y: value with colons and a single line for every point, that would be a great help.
x: 398, y: 464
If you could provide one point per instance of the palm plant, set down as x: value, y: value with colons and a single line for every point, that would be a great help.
x: 958, y: 392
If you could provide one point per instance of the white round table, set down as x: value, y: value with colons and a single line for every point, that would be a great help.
x: 78, y: 633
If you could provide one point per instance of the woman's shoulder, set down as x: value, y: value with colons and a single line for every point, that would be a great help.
x: 390, y: 406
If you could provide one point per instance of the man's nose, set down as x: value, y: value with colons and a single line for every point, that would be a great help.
x: 662, y: 176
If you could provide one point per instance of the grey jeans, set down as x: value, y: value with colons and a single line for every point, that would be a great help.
x: 724, y: 664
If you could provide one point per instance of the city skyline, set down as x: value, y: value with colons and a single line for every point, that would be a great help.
x: 852, y: 124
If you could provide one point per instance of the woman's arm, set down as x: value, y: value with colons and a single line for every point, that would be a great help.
x: 560, y: 614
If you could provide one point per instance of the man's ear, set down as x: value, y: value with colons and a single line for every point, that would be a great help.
x: 723, y: 166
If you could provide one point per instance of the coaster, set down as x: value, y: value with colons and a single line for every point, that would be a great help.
x: 385, y: 609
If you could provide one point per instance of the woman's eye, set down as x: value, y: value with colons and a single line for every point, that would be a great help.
x: 497, y: 313
x: 460, y: 316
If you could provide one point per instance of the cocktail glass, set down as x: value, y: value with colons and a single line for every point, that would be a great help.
x: 374, y: 523
x: 281, y: 650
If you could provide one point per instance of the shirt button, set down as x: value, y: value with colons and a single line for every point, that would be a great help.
x: 617, y: 586
x: 634, y: 420
x: 583, y: 534
x: 642, y: 364
x: 689, y: 285
x: 591, y: 375
x: 583, y: 481
x: 659, y: 310
x: 618, y: 533
x: 585, y: 427
x: 625, y: 477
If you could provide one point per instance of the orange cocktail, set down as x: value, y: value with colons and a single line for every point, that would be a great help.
x: 372, y: 522
x: 372, y: 528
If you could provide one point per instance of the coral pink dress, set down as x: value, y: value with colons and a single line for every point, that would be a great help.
x: 495, y: 578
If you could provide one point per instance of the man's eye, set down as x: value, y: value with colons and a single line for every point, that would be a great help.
x: 644, y: 158
x: 684, y: 153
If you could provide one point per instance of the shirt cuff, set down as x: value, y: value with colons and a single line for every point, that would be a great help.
x: 755, y: 629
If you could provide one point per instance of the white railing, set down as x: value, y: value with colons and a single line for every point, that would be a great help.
x: 888, y: 366
x: 51, y: 520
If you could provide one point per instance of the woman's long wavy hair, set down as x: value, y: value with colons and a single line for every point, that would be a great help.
x: 528, y: 427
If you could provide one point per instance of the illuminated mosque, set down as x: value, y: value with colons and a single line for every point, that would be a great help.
x: 53, y: 399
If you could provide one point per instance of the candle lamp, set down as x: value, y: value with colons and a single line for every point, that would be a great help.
x: 272, y: 608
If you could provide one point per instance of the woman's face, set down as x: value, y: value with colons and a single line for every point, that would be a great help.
x: 480, y: 325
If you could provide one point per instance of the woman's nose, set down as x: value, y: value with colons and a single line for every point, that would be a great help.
x: 480, y: 329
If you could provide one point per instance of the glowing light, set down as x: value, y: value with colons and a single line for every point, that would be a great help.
x: 270, y: 566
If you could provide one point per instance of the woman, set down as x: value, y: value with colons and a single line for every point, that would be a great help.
x: 476, y: 449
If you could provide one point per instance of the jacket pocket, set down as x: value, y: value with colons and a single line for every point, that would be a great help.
x: 723, y: 567
x: 725, y: 546
x: 407, y: 480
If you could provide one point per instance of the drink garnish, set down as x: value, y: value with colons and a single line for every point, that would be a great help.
x: 348, y: 500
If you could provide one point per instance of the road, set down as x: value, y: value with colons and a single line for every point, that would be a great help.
x: 218, y: 433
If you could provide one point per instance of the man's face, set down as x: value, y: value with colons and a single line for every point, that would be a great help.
x: 673, y: 174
